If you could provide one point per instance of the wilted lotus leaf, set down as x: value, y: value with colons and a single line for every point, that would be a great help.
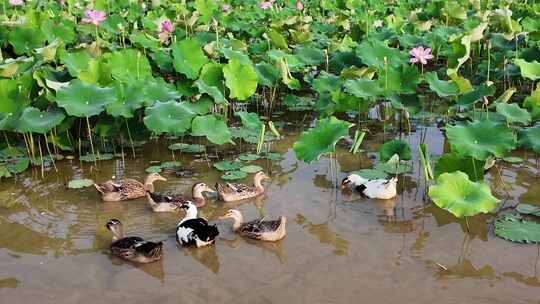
x: 455, y: 193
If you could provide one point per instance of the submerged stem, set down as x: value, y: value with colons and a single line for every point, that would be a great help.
x: 91, y: 142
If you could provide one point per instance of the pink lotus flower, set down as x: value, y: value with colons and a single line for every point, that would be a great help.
x: 299, y: 5
x: 265, y: 5
x: 419, y: 54
x: 16, y: 2
x: 166, y: 26
x: 226, y: 8
x: 94, y: 17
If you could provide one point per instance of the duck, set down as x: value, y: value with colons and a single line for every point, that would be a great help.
x: 172, y: 202
x: 132, y: 248
x: 259, y: 229
x: 193, y: 230
x: 372, y: 188
x: 231, y: 192
x: 128, y: 188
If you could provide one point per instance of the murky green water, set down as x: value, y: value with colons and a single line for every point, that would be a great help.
x: 340, y: 248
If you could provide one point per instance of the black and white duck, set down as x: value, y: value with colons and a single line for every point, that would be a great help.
x: 372, y: 188
x: 132, y: 248
x: 193, y: 230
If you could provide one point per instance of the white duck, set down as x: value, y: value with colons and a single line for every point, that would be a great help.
x: 194, y: 231
x: 372, y: 188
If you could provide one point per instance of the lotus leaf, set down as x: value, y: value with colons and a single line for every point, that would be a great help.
x: 267, y: 74
x: 514, y: 113
x: 273, y: 156
x: 441, y: 87
x: 80, y: 183
x: 251, y: 169
x: 452, y: 162
x: 212, y: 91
x: 455, y: 193
x: 374, y: 53
x: 228, y: 165
x: 188, y: 57
x: 310, y: 55
x: 393, y: 166
x: 130, y: 97
x: 153, y: 169
x: 159, y: 90
x: 529, y: 70
x: 249, y: 120
x: 169, y: 117
x: 35, y: 121
x: 84, y: 100
x: 481, y: 139
x: 214, y: 129
x: 240, y: 56
x: 530, y: 138
x: 25, y: 39
x: 528, y: 209
x: 248, y: 157
x: 130, y: 65
x: 516, y: 229
x: 321, y: 139
x: 234, y: 175
x: 371, y: 174
x: 364, y: 88
x: 241, y: 79
x: 187, y: 148
x: 396, y: 146
x: 95, y: 157
x: 170, y: 164
x: 75, y: 62
x: 513, y: 159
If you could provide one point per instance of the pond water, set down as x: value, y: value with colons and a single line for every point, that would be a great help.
x: 340, y: 247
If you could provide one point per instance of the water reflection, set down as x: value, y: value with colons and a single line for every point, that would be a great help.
x: 466, y: 269
x: 9, y: 283
x: 477, y: 224
x: 325, y: 235
x: 206, y: 256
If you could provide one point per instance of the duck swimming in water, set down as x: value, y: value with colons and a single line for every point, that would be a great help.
x: 231, y: 192
x: 259, y: 229
x: 173, y: 202
x: 372, y: 188
x: 128, y: 188
x: 132, y: 248
x: 194, y: 231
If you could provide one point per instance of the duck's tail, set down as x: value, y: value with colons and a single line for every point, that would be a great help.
x: 282, y: 225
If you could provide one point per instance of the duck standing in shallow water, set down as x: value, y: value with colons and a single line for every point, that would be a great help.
x: 132, y: 248
x: 173, y: 202
x: 194, y: 231
x: 258, y: 229
x: 127, y: 189
x: 372, y: 188
x: 231, y: 192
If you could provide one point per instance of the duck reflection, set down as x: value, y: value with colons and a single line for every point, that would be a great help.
x: 466, y: 269
x: 395, y: 220
x: 154, y: 269
x: 206, y: 256
x: 275, y: 248
x: 325, y: 235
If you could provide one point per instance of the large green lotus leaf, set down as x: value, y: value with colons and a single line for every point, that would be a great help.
x: 240, y: 56
x: 396, y: 146
x: 328, y: 83
x: 25, y: 39
x: 12, y: 102
x: 481, y: 139
x: 159, y: 90
x: 514, y: 113
x: 532, y: 103
x: 130, y: 97
x: 516, y: 229
x: 452, y: 162
x: 59, y: 28
x: 249, y: 120
x: 267, y: 74
x: 455, y: 193
x: 277, y: 39
x: 84, y: 100
x: 35, y: 121
x: 169, y: 117
x: 75, y: 62
x: 441, y: 87
x: 393, y: 166
x: 226, y: 165
x: 188, y: 57
x: 212, y: 91
x: 321, y: 139
x: 214, y: 129
x: 310, y: 55
x: 241, y: 79
x: 98, y: 72
x: 530, y: 138
x: 212, y: 75
x: 477, y: 94
x: 364, y: 88
x: 206, y: 9
x: 529, y: 70
x: 130, y: 65
x: 373, y: 53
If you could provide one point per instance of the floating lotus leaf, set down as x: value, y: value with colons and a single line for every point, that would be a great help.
x: 16, y: 164
x: 514, y: 113
x: 249, y: 120
x: 169, y: 117
x: 530, y: 138
x: 251, y: 169
x: 35, y: 121
x: 513, y: 159
x: 396, y: 146
x: 170, y: 164
x: 95, y: 157
x: 234, y: 175
x: 455, y: 193
x: 321, y: 139
x: 452, y: 162
x: 529, y: 70
x: 481, y: 139
x: 214, y: 129
x: 441, y: 87
x: 188, y: 57
x: 241, y: 79
x: 394, y: 166
x: 84, y: 100
x: 528, y: 209
x: 228, y: 165
x: 371, y: 174
x: 187, y: 148
x: 153, y: 169
x: 130, y: 65
x: 80, y: 183
x: 273, y: 156
x: 249, y: 157
x: 514, y: 228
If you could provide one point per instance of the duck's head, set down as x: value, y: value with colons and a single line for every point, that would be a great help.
x: 233, y: 214
x: 352, y: 181
x: 116, y: 227
x: 188, y: 206
x: 152, y: 177
x: 199, y: 188
x: 259, y: 176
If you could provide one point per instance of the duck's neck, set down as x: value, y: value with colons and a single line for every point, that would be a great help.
x: 238, y: 220
x: 258, y: 184
x: 191, y: 213
x: 198, y: 197
x: 118, y: 233
x: 149, y: 184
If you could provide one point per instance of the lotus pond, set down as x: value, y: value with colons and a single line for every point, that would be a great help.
x: 441, y: 94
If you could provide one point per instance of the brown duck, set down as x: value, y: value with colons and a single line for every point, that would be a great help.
x: 231, y: 192
x: 259, y: 229
x: 127, y: 189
